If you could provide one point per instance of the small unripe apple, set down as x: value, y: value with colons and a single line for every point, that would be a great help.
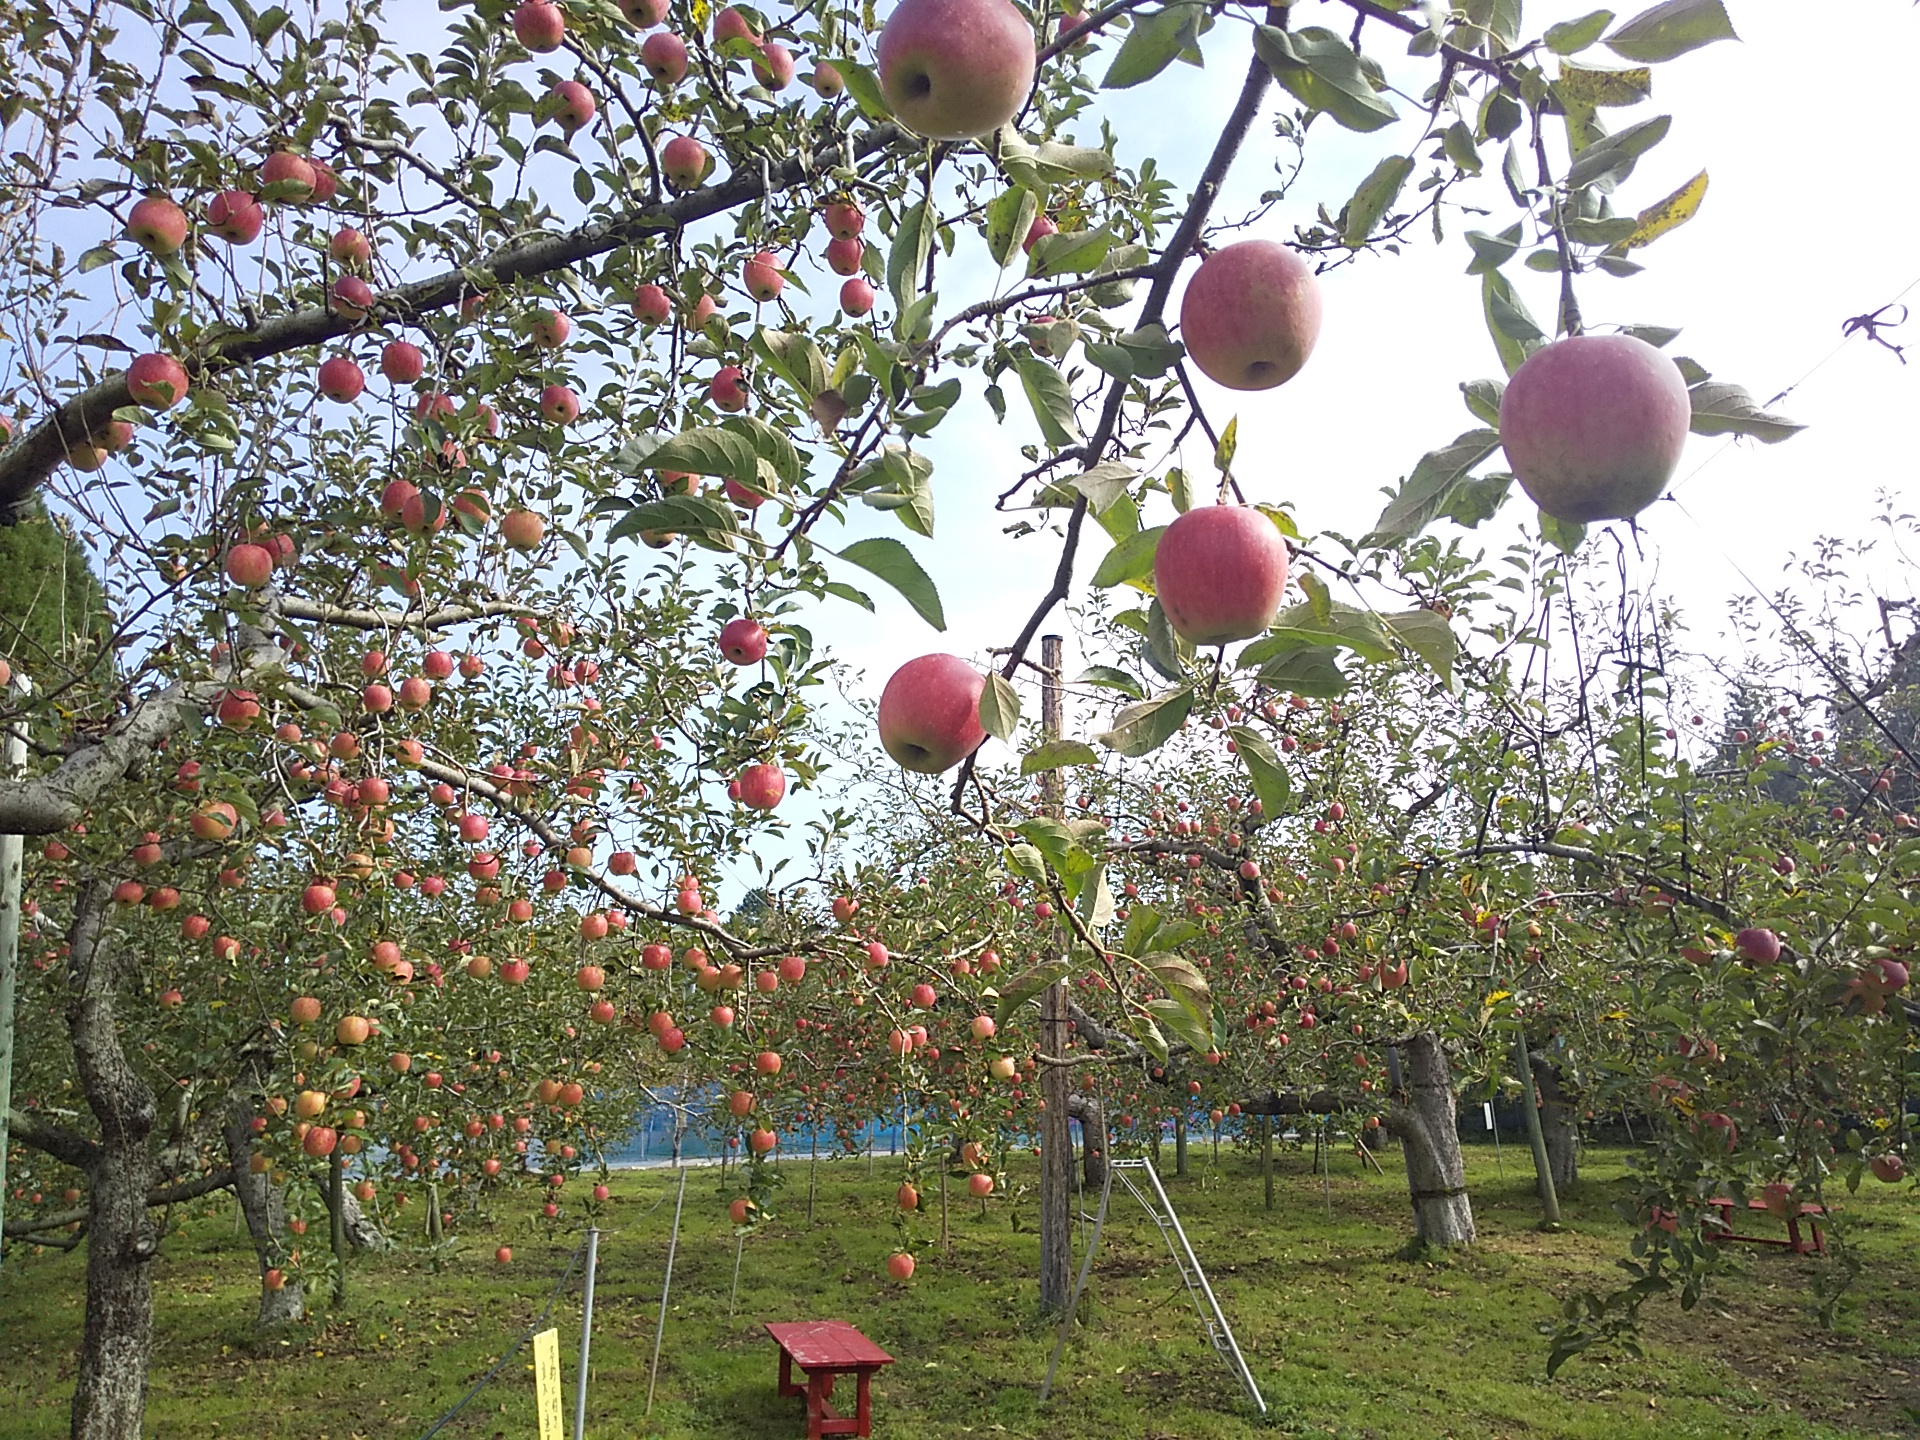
x: 929, y: 718
x: 1250, y: 315
x: 1220, y: 572
x: 827, y: 80
x: 157, y: 225
x: 954, y: 69
x: 539, y: 26
x: 665, y: 57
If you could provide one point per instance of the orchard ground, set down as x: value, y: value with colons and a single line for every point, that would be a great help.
x: 1346, y: 1336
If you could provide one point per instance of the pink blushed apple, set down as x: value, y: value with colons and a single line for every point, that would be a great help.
x: 762, y: 786
x: 539, y: 26
x: 684, y: 161
x: 1250, y: 315
x: 1220, y: 572
x: 157, y: 225
x: 1593, y: 426
x: 665, y: 57
x: 157, y: 381
x: 954, y: 69
x: 930, y: 713
x: 856, y: 297
x: 236, y: 217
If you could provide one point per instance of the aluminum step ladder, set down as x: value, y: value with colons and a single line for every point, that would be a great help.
x: 1152, y: 1196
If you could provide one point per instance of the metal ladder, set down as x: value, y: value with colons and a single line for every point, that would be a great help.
x: 1153, y: 1199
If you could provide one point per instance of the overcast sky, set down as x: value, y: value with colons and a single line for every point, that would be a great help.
x: 1806, y: 223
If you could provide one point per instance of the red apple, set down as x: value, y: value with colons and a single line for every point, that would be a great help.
x: 1042, y: 227
x: 291, y: 173
x: 573, y: 105
x: 1888, y: 1168
x: 728, y: 388
x: 523, y: 529
x: 845, y: 220
x: 341, y: 380
x: 157, y: 225
x: 773, y: 67
x: 762, y: 786
x: 980, y: 1185
x: 236, y: 217
x: 684, y: 161
x: 157, y: 381
x: 828, y: 81
x: 900, y: 1265
x: 930, y: 713
x: 250, y: 565
x: 1762, y: 947
x: 856, y: 297
x: 1220, y: 572
x: 665, y: 57
x: 559, y: 405
x: 730, y: 24
x: 954, y: 69
x: 1250, y: 315
x: 539, y: 26
x: 402, y: 362
x: 743, y: 640
x: 1593, y: 426
x: 844, y: 256
x: 761, y: 275
x: 651, y: 304
x: 350, y: 247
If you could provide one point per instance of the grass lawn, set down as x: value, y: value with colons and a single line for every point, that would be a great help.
x: 1344, y: 1337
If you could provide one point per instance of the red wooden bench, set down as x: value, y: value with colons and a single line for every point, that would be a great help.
x: 1808, y: 1211
x: 827, y: 1349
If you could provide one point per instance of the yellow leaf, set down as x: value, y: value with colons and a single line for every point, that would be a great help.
x: 1669, y: 214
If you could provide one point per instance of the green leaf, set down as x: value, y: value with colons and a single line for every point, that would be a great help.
x: 894, y: 563
x: 1069, y: 252
x: 795, y: 358
x: 1185, y: 1028
x: 1028, y: 861
x: 1150, y: 1038
x: 1109, y: 678
x: 1154, y: 43
x: 1130, y: 562
x: 1483, y: 399
x: 708, y: 450
x: 1027, y: 984
x: 1457, y: 141
x: 1570, y: 37
x: 1153, y: 353
x: 1506, y: 311
x: 1322, y: 72
x: 96, y: 257
x: 1104, y: 484
x: 900, y: 480
x: 1314, y: 672
x: 1143, y: 728
x: 1609, y: 160
x: 1094, y: 904
x: 1270, y: 779
x: 1595, y: 87
x: 1010, y: 215
x: 1669, y: 214
x: 1166, y: 651
x: 1055, y: 755
x: 1566, y: 536
x: 1427, y: 634
x: 1052, y: 401
x: 1373, y: 199
x: 1490, y: 252
x: 1423, y: 496
x: 1229, y: 445
x: 912, y: 243
x: 864, y: 86
x: 1720, y: 409
x: 708, y: 521
x: 1061, y: 162
x: 1141, y: 923
x: 999, y: 707
x: 1671, y: 29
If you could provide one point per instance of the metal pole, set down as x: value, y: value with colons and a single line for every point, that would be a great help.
x: 1493, y: 1124
x: 733, y: 1295
x: 813, y: 1165
x: 586, y: 1338
x: 13, y: 764
x: 1536, y: 1138
x: 666, y: 1286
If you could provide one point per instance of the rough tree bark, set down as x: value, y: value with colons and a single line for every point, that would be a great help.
x: 110, y: 1387
x: 263, y: 1205
x: 1422, y: 1117
x: 1093, y: 1139
x: 1558, y: 1121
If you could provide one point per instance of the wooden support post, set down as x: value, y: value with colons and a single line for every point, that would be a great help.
x: 1266, y: 1156
x: 1056, y: 1138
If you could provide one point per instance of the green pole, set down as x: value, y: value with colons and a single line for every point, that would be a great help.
x: 13, y: 763
x: 1536, y: 1137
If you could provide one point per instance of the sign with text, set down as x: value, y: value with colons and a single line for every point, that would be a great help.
x: 546, y: 1384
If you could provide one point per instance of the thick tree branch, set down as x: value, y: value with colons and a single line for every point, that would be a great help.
x: 193, y: 1189
x: 30, y: 460
x: 295, y: 608
x: 69, y: 1147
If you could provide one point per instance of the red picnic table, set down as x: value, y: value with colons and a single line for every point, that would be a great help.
x: 1813, y: 1214
x: 827, y: 1349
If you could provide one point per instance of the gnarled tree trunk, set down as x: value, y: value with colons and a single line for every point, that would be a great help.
x: 1093, y: 1139
x: 1422, y: 1117
x: 1558, y: 1124
x: 263, y: 1205
x: 110, y: 1387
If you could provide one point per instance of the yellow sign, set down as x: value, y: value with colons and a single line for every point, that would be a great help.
x: 546, y: 1384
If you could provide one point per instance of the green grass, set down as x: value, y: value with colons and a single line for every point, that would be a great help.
x: 1345, y: 1337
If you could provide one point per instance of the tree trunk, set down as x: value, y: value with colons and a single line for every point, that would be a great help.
x: 116, y: 1347
x: 1093, y: 1139
x: 1557, y: 1122
x: 1180, y: 1145
x: 263, y: 1205
x: 1422, y: 1116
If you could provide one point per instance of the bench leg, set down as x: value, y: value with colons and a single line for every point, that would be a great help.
x: 787, y: 1387
x: 864, y: 1411
x: 819, y: 1387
